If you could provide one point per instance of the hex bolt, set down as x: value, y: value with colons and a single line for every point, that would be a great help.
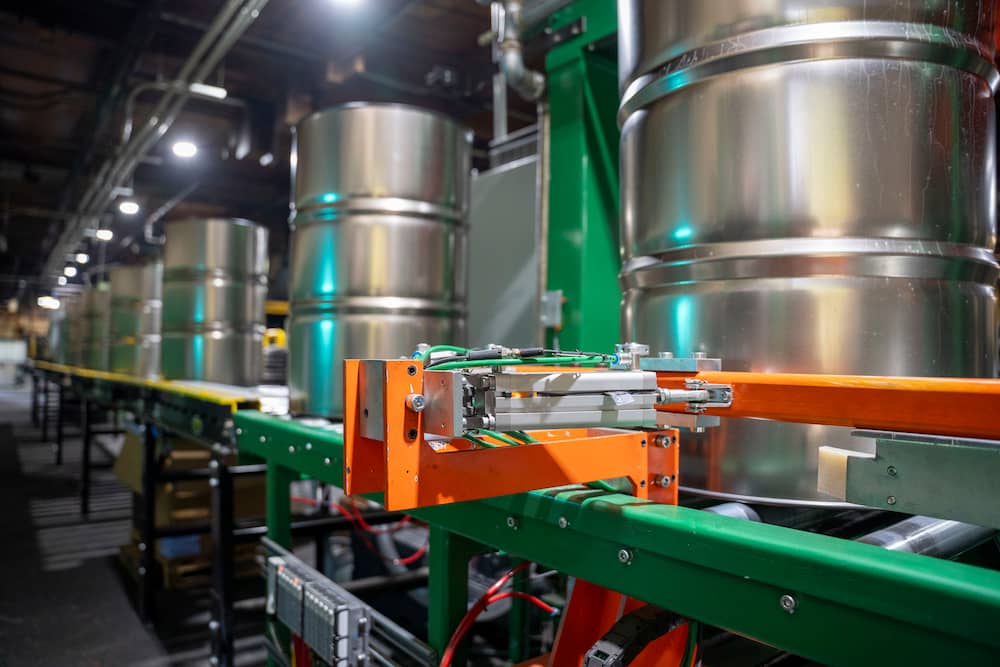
x: 239, y: 431
x: 663, y: 441
x: 788, y: 603
x: 327, y: 462
x: 663, y: 480
x: 563, y: 523
x: 309, y: 446
x: 263, y: 439
x: 291, y: 449
x: 416, y: 402
x: 512, y: 522
x: 891, y: 500
x: 625, y: 556
x: 892, y: 471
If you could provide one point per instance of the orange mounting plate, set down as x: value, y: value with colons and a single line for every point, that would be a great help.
x: 385, y: 450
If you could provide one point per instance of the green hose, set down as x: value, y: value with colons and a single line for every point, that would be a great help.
x: 541, y: 361
x: 692, y: 642
x: 499, y: 436
x: 426, y: 356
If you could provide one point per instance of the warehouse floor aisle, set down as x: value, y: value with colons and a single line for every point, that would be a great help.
x: 64, y: 599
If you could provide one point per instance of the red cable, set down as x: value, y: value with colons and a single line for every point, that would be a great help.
x: 538, y: 602
x: 358, y: 521
x: 491, y: 595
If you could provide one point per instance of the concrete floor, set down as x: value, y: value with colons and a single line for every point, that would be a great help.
x: 64, y: 598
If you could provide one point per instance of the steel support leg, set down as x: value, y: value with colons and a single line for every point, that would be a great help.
x: 45, y: 408
x: 448, y: 586
x: 34, y: 398
x: 84, y: 456
x: 221, y: 625
x: 147, y: 547
x: 61, y: 395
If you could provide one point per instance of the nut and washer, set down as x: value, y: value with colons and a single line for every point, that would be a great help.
x: 788, y: 603
x: 512, y: 522
x: 625, y: 556
x: 891, y: 500
x: 563, y: 522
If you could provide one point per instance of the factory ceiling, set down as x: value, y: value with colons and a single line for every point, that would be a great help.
x: 67, y: 68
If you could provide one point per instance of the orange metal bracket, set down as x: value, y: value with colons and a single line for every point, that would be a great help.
x: 938, y: 406
x: 412, y: 473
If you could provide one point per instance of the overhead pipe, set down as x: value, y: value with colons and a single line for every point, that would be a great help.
x: 231, y: 22
x: 509, y: 27
x: 147, y: 230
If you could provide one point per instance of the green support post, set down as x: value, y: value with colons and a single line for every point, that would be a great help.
x: 279, y: 504
x: 448, y: 586
x: 518, y: 621
x: 583, y: 247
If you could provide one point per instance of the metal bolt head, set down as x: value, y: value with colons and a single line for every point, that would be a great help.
x: 662, y: 441
x: 512, y: 522
x: 563, y: 522
x: 664, y: 480
x: 142, y: 572
x: 213, y: 660
x: 213, y: 482
x: 309, y: 446
x: 788, y: 603
x: 213, y: 464
x: 892, y: 471
x: 625, y: 556
x: 416, y: 402
x: 327, y: 461
x: 263, y: 439
x: 891, y: 500
x: 213, y: 625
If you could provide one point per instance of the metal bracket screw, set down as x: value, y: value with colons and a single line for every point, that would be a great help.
x: 891, y: 500
x: 625, y: 556
x: 664, y: 441
x: 788, y: 603
x: 416, y: 402
x: 291, y: 449
x: 309, y: 446
x: 512, y: 523
x: 327, y: 461
x: 892, y: 471
x: 263, y: 439
x: 213, y: 626
x: 563, y: 522
x: 663, y: 480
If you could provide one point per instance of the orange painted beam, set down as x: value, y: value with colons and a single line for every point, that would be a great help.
x: 955, y: 407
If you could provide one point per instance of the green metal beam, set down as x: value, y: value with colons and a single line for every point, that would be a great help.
x: 853, y: 603
x: 583, y: 257
x: 920, y: 475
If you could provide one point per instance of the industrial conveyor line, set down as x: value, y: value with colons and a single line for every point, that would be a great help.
x: 784, y: 587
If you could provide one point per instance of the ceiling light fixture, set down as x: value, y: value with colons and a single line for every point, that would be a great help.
x: 104, y: 235
x: 70, y: 271
x: 48, y: 302
x: 128, y: 207
x: 82, y: 258
x: 206, y: 90
x: 184, y: 149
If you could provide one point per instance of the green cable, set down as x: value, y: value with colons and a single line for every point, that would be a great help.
x: 692, y: 642
x: 476, y: 441
x: 523, y: 437
x: 426, y: 356
x: 552, y: 361
x: 499, y: 436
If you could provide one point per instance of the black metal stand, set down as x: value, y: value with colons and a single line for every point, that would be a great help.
x: 85, y: 457
x: 60, y: 406
x: 45, y: 408
x: 221, y: 625
x: 34, y: 397
x: 147, y: 547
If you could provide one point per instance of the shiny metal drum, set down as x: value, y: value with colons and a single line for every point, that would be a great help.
x: 378, y: 248
x: 95, y: 327
x: 807, y: 187
x: 214, y: 289
x: 136, y: 302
